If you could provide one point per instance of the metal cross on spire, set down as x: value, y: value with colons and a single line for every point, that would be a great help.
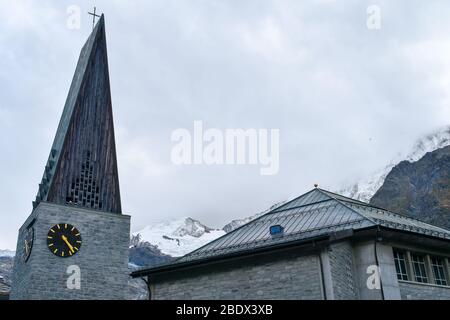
x: 94, y: 15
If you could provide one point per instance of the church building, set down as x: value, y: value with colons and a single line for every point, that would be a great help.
x: 321, y: 246
x: 74, y: 244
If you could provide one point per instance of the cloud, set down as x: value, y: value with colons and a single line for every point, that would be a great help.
x: 346, y: 99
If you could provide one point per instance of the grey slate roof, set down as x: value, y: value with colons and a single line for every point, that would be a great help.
x: 315, y: 213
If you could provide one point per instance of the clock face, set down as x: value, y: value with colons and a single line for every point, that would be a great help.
x: 64, y: 240
x: 28, y: 243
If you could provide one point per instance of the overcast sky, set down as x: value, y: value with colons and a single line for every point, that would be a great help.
x: 346, y: 99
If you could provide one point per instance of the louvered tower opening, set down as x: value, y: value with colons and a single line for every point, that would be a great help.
x: 84, y: 190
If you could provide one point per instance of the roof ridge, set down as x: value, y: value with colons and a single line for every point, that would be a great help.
x: 401, y: 215
x: 300, y: 206
x: 292, y: 200
x: 365, y: 204
x: 342, y: 202
x: 332, y: 194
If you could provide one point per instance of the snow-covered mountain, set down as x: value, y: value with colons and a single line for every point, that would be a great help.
x: 429, y: 143
x: 7, y: 253
x: 364, y: 189
x: 178, y: 237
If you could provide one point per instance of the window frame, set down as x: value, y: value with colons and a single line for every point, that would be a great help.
x: 426, y: 267
x: 419, y: 265
x: 442, y: 278
x: 398, y: 261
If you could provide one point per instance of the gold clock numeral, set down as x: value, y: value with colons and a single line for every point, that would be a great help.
x: 52, y: 230
x: 77, y: 235
x: 56, y: 250
x: 49, y: 237
x: 50, y: 245
x: 58, y: 226
x: 75, y: 248
x: 65, y: 226
x: 62, y: 253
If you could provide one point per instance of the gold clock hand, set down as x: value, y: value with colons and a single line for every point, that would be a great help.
x: 67, y: 242
x: 64, y: 238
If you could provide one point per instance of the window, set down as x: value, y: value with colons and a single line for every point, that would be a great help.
x: 419, y: 267
x: 276, y: 230
x: 400, y: 265
x: 437, y: 265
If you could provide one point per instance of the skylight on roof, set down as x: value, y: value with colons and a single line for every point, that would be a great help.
x: 276, y: 230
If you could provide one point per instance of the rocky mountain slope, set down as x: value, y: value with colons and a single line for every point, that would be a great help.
x: 420, y: 189
x: 143, y: 253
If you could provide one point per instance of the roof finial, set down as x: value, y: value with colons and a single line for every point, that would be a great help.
x: 316, y: 185
x: 94, y: 15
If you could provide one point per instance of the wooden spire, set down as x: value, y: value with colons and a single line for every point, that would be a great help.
x: 82, y: 166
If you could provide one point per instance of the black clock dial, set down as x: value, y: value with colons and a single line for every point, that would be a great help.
x: 64, y: 240
x: 28, y: 243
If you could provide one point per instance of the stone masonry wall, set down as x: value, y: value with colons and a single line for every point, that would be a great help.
x: 417, y: 291
x: 103, y: 256
x: 342, y: 271
x: 294, y: 278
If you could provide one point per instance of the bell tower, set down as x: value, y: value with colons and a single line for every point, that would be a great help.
x: 74, y: 245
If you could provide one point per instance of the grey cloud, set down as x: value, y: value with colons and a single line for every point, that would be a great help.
x: 346, y: 99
